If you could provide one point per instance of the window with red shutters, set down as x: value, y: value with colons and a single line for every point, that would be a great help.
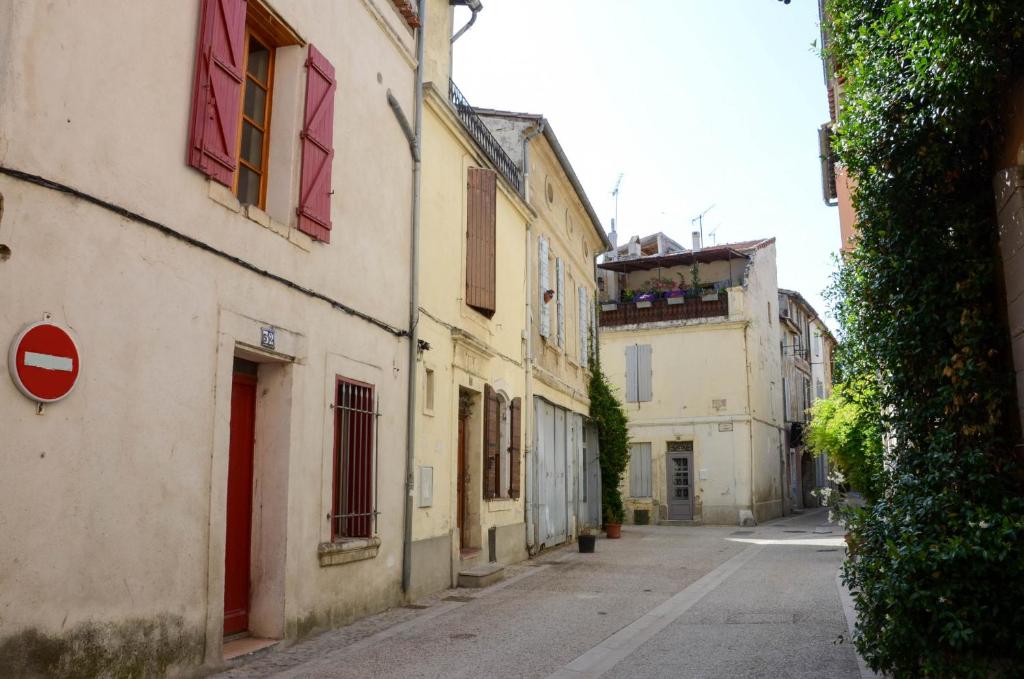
x: 216, y: 96
x: 481, y: 271
x: 317, y: 148
x: 354, y: 512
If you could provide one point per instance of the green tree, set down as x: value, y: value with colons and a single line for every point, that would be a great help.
x: 845, y: 427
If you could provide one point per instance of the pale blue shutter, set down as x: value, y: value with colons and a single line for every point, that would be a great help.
x: 584, y: 335
x: 640, y: 470
x: 542, y: 268
x: 644, y: 375
x: 631, y: 373
x: 560, y: 296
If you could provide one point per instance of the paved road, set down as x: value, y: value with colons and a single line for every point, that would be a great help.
x: 674, y: 602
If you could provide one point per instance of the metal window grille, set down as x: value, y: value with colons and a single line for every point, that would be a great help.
x: 355, y: 460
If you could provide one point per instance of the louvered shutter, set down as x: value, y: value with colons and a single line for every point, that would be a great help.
x: 480, y: 240
x: 542, y: 268
x: 631, y: 391
x: 640, y: 470
x: 515, y: 446
x: 491, y: 436
x: 584, y: 335
x: 560, y: 297
x: 317, y: 148
x: 644, y: 375
x: 217, y: 90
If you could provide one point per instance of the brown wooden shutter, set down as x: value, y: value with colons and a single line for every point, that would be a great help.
x: 317, y: 148
x: 217, y: 91
x: 515, y: 446
x: 480, y: 241
x: 491, y: 437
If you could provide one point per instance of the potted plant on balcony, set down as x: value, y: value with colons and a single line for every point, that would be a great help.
x: 586, y: 540
x: 709, y: 294
x: 644, y: 300
x: 676, y: 296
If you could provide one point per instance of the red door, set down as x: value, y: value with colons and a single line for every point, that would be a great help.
x: 239, y: 510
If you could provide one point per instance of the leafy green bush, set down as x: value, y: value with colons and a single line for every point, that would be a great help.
x: 938, y: 559
x: 613, y: 441
x: 845, y: 427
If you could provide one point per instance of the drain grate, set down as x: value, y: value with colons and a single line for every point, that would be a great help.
x: 742, y: 532
x: 828, y: 550
x: 459, y: 599
x: 794, y: 531
x: 463, y: 635
x: 415, y: 607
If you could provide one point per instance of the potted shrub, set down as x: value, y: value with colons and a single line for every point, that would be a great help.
x: 586, y: 540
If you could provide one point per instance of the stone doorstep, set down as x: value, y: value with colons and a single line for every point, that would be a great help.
x: 481, y: 576
x: 245, y: 646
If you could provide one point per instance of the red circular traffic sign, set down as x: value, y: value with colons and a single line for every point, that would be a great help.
x: 44, y: 362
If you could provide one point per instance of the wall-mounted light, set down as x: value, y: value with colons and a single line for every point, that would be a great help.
x: 548, y: 295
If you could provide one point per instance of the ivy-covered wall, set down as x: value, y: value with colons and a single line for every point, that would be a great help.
x: 937, y: 561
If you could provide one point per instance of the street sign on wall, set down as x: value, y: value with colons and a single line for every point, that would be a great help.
x: 44, y: 362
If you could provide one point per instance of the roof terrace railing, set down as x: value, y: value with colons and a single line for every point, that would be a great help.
x: 484, y: 139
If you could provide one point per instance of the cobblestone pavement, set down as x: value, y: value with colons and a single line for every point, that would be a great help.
x: 661, y: 602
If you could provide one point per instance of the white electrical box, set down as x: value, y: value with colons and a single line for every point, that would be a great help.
x: 426, y: 487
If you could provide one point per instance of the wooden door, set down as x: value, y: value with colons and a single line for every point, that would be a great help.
x: 238, y: 541
x: 679, y: 473
x: 460, y: 518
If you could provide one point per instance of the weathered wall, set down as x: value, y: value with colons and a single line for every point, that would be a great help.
x: 112, y: 503
x: 467, y: 350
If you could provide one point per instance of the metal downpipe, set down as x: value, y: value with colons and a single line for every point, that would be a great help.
x: 414, y: 304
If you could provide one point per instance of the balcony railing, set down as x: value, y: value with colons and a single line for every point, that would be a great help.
x: 681, y: 309
x: 484, y: 139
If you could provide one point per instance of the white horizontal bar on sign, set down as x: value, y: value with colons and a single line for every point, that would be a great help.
x: 49, y: 362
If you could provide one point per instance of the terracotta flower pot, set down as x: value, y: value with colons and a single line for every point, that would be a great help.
x: 613, y: 530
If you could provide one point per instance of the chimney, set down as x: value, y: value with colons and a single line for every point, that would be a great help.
x: 661, y: 243
x: 696, y: 241
x: 614, y: 236
x: 633, y: 249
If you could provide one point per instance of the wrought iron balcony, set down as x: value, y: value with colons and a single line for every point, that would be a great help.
x: 657, y: 310
x: 484, y: 139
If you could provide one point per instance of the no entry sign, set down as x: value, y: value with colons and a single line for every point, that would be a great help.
x: 44, y: 362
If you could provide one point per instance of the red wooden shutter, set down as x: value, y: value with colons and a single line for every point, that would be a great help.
x: 515, y: 446
x: 480, y: 240
x: 317, y: 148
x: 491, y: 435
x: 217, y: 92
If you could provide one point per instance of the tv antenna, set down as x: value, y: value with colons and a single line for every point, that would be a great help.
x: 615, y: 195
x: 698, y: 221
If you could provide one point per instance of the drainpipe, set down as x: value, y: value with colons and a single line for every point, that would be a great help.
x: 474, y: 6
x: 414, y: 289
x: 531, y: 536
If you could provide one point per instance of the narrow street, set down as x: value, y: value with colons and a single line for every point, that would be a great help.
x: 661, y: 602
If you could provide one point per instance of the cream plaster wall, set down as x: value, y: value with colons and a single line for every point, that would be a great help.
x: 467, y: 350
x: 112, y: 502
x: 697, y: 365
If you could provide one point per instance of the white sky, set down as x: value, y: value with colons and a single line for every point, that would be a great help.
x: 696, y: 102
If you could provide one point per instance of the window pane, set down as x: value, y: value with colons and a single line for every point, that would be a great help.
x: 255, y: 102
x: 248, y: 186
x: 252, y: 145
x: 259, y: 60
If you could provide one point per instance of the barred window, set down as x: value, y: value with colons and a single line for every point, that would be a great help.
x: 355, y: 460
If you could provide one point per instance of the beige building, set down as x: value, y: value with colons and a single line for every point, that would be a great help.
x: 500, y: 357
x: 690, y: 338
x: 807, y: 347
x: 212, y: 198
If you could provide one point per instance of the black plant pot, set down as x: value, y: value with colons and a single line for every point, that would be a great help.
x: 587, y: 543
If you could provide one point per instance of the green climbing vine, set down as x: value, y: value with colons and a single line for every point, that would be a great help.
x: 607, y: 414
x: 937, y: 561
